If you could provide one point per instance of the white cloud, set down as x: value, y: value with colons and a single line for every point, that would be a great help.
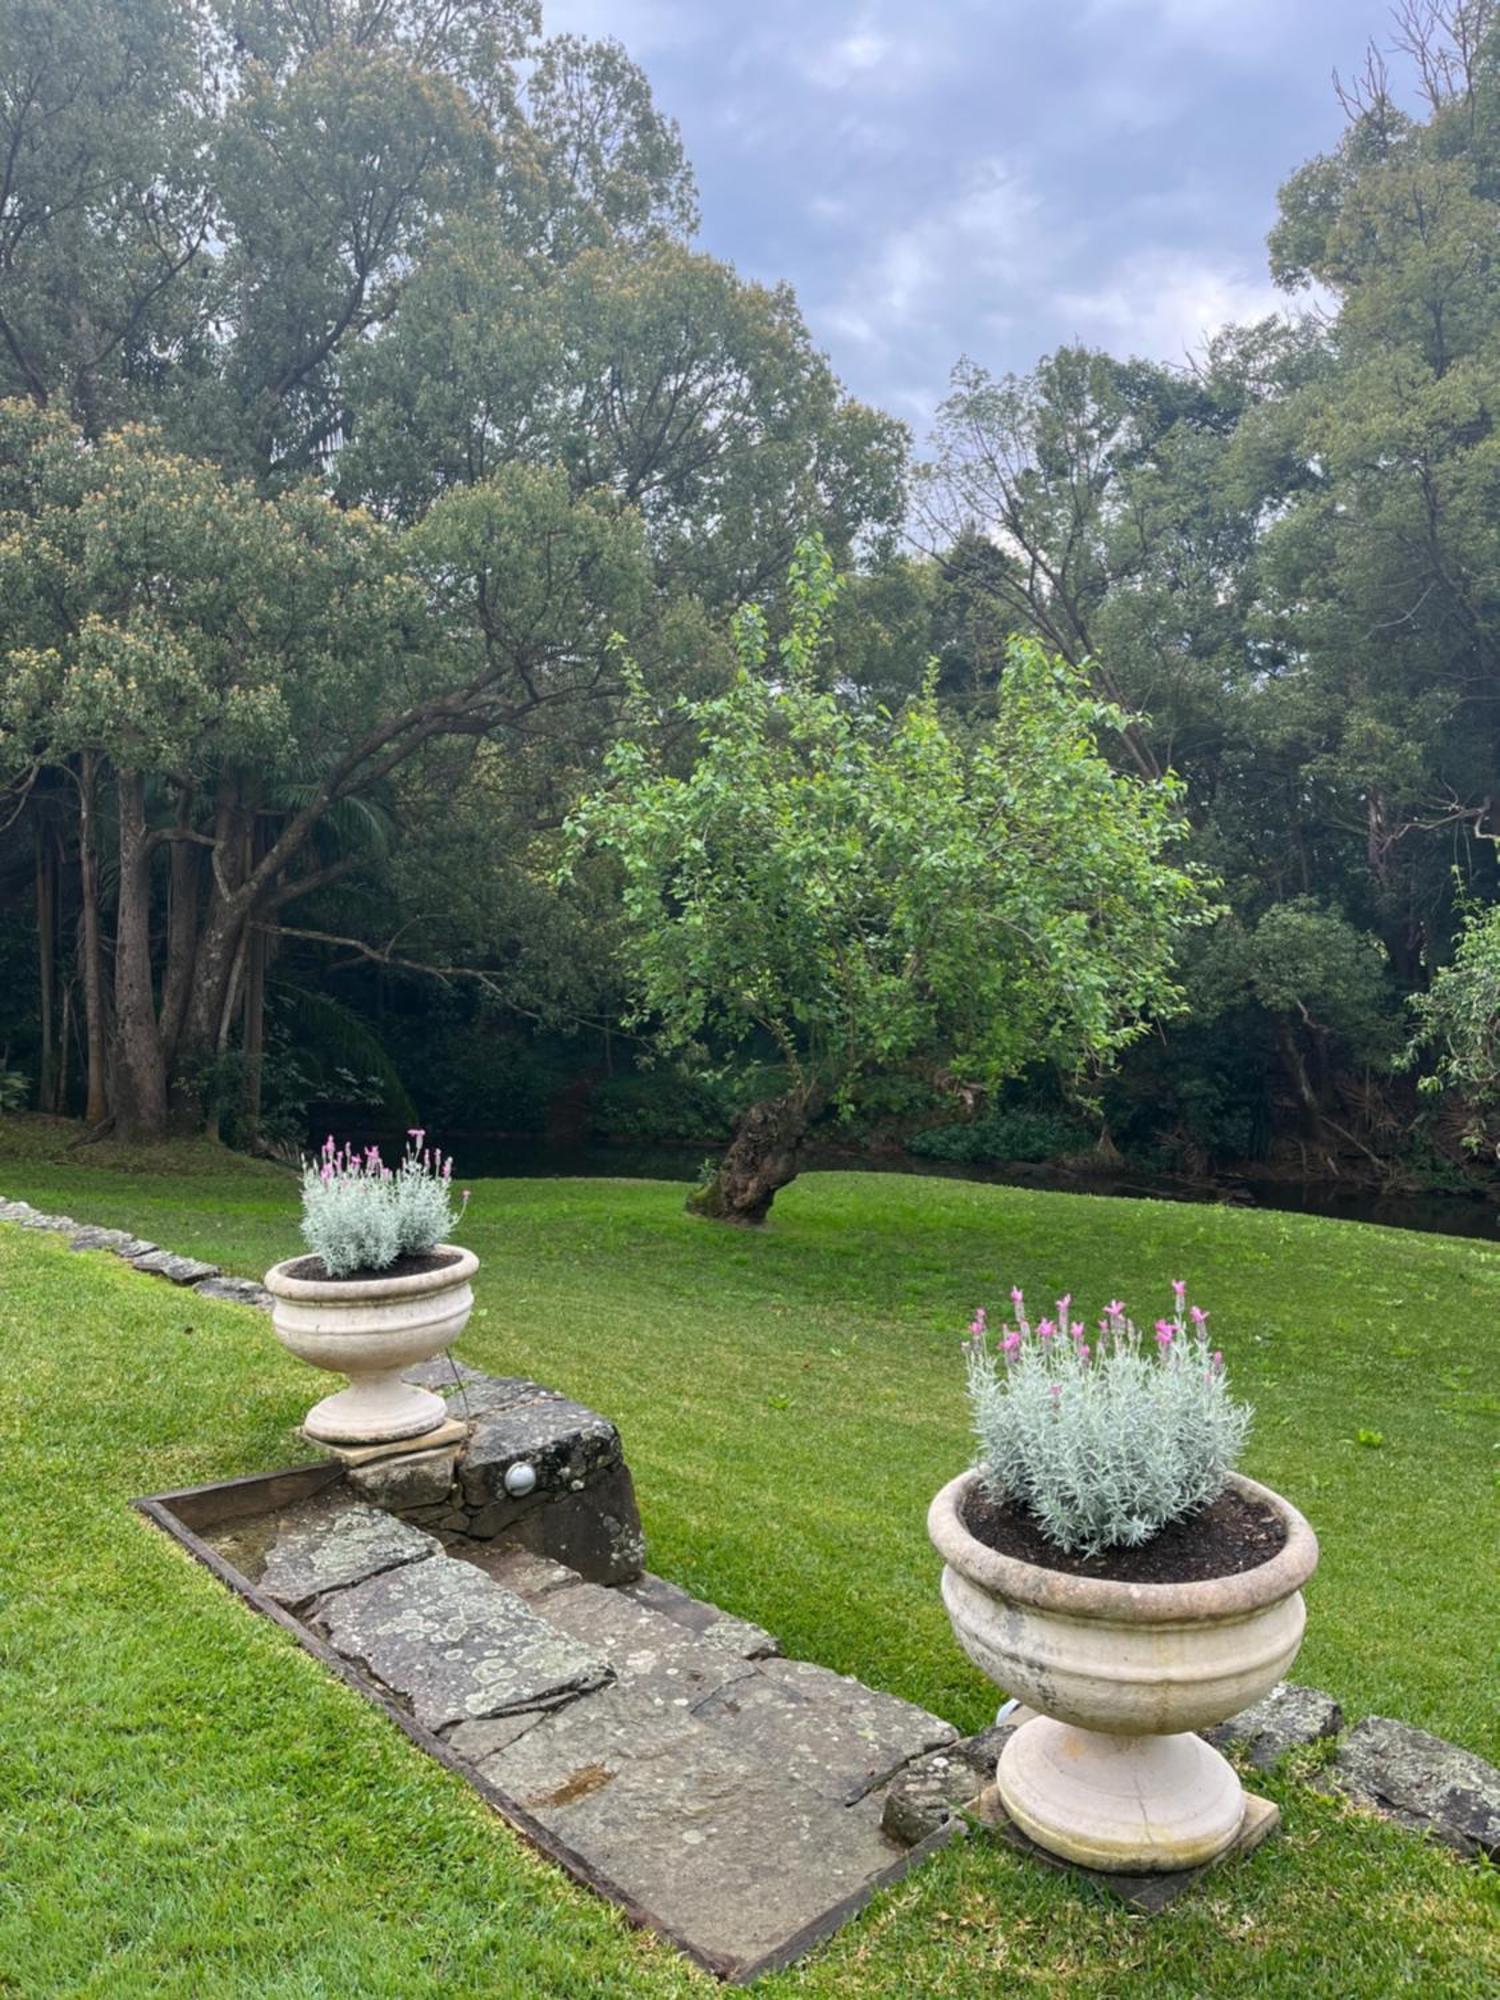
x: 869, y: 55
x: 1164, y: 304
x: 983, y: 237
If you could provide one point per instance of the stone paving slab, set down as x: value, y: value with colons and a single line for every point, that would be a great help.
x: 722, y: 1848
x: 455, y: 1644
x: 826, y: 1732
x: 529, y: 1575
x: 327, y: 1545
x: 738, y: 1635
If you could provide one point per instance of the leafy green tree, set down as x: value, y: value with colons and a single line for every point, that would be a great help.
x: 1457, y: 1028
x: 857, y: 890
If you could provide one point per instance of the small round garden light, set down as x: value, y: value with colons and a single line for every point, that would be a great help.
x: 520, y: 1480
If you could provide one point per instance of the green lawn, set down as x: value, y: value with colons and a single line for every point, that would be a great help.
x: 188, y: 1806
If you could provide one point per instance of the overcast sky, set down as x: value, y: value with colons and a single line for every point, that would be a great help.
x: 993, y: 177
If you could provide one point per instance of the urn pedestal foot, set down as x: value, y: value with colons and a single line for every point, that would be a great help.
x: 1136, y: 1804
x: 376, y: 1408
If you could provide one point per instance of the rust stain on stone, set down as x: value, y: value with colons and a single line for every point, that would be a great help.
x: 586, y: 1779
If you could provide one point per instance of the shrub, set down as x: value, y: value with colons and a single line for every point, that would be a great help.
x: 1006, y: 1135
x: 1103, y: 1443
x: 360, y: 1215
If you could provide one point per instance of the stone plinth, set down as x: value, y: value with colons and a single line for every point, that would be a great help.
x: 532, y: 1468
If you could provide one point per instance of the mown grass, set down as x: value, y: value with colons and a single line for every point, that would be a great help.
x: 189, y: 1806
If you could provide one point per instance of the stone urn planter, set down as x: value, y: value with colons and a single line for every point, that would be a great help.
x: 370, y: 1328
x: 1109, y: 1774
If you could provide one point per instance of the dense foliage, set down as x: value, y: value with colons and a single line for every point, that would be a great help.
x: 364, y: 381
x: 864, y: 890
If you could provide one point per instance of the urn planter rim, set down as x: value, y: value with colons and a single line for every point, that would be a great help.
x: 1110, y: 1601
x: 358, y: 1291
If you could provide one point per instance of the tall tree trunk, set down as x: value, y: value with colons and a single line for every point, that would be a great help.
x: 763, y: 1157
x: 96, y: 1109
x: 254, y: 1029
x: 46, y: 966
x: 214, y: 962
x: 140, y: 1066
x: 64, y: 1044
x: 182, y: 940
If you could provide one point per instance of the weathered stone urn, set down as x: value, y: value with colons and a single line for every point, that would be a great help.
x: 1109, y: 1773
x: 370, y: 1329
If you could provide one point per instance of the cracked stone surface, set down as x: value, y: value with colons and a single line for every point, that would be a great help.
x: 328, y: 1545
x: 825, y: 1731
x: 720, y: 1846
x: 136, y: 1246
x: 1425, y: 1783
x: 933, y: 1789
x: 238, y: 1291
x: 177, y: 1270
x: 64, y: 1224
x: 1288, y: 1717
x: 457, y: 1645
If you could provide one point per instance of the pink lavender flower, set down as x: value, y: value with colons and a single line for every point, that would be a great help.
x: 1116, y: 1309
x: 1076, y: 1329
x: 1179, y: 1286
x: 1045, y: 1329
x: 1017, y: 1297
x: 1197, y: 1315
x: 1164, y: 1333
x: 1011, y: 1344
x: 1218, y: 1358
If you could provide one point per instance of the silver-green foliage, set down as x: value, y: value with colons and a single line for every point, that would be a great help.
x: 1103, y: 1442
x: 360, y: 1215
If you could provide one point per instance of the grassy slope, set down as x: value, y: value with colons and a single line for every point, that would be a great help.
x: 202, y: 1813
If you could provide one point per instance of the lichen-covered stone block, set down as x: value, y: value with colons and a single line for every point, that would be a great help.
x: 418, y: 1481
x: 329, y: 1545
x: 456, y: 1645
x: 176, y: 1270
x: 1286, y: 1719
x: 933, y: 1789
x: 1429, y: 1785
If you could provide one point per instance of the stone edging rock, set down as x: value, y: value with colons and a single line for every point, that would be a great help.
x: 142, y: 1255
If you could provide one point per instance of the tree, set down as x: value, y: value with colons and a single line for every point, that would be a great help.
x: 218, y: 676
x: 855, y: 890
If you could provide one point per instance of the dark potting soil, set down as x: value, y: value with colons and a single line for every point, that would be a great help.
x: 404, y: 1267
x: 1231, y: 1534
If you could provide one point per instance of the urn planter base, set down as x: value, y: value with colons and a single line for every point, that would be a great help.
x: 375, y: 1409
x: 1138, y: 1805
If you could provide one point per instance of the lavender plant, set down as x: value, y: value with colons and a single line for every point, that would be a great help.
x: 358, y: 1214
x: 1106, y: 1441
